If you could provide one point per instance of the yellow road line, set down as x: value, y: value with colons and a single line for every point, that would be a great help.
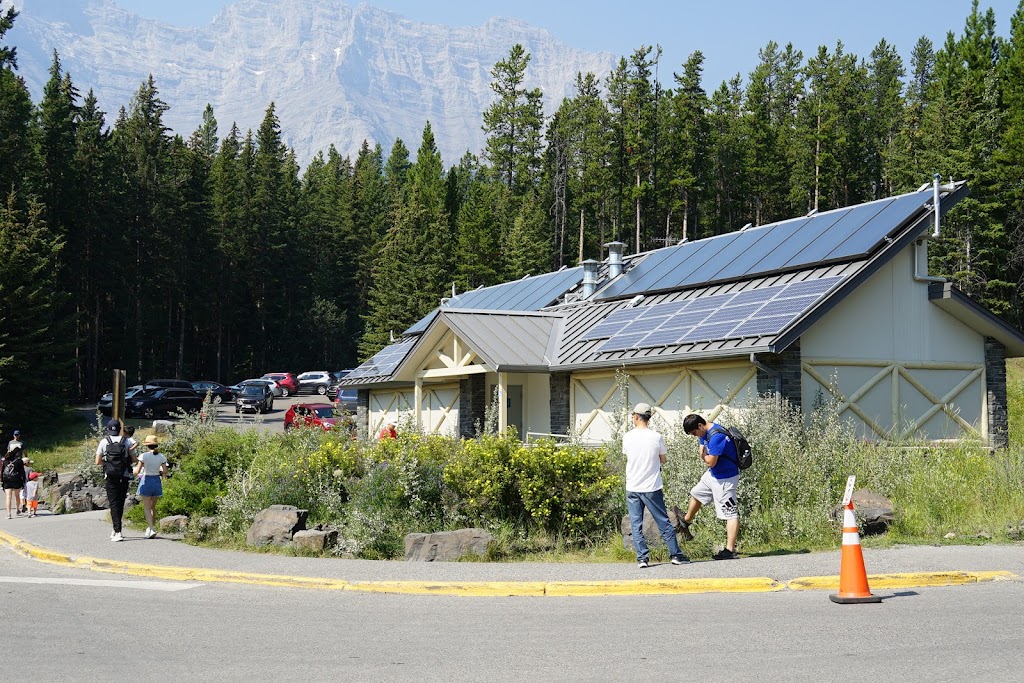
x: 497, y: 588
x: 909, y: 580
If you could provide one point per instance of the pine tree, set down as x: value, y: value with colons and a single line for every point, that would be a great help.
x: 688, y: 132
x: 513, y: 124
x: 35, y: 348
x: 16, y: 113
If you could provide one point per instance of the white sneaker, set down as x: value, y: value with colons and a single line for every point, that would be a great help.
x: 112, y: 535
x: 150, y: 533
x: 116, y: 537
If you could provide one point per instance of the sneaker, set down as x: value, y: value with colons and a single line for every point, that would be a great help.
x: 150, y: 533
x: 112, y: 535
x: 680, y: 559
x: 726, y: 554
x: 117, y: 537
x: 642, y: 564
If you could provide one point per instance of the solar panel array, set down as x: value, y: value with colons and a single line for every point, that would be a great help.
x: 754, y: 312
x: 840, y: 235
x: 527, y: 294
x: 385, y: 361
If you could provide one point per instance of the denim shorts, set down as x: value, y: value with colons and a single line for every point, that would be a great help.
x: 151, y: 486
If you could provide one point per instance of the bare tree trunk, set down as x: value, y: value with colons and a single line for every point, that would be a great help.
x: 638, y: 249
x: 180, y: 365
x: 580, y: 257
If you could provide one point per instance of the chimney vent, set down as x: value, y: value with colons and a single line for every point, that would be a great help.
x: 615, y: 250
x: 590, y: 267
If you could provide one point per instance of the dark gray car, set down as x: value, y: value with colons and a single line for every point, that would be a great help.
x: 255, y: 397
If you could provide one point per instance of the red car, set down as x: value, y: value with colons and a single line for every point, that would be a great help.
x: 286, y: 380
x: 311, y: 415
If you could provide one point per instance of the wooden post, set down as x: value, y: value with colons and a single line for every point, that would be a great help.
x: 117, y: 406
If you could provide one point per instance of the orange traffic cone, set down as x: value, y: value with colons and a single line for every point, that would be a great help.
x: 853, y: 578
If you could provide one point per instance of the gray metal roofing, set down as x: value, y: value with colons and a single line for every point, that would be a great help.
x: 506, y: 341
x: 844, y: 234
x: 527, y: 294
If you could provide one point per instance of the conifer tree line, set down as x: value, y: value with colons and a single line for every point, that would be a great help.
x: 218, y: 256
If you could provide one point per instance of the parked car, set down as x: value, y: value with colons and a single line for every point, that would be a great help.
x: 106, y: 403
x: 275, y: 388
x: 218, y: 392
x: 286, y: 380
x: 344, y: 398
x: 315, y: 381
x: 162, y: 401
x: 167, y: 384
x: 256, y: 397
x: 311, y: 415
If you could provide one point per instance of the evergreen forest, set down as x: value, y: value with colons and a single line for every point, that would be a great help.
x: 217, y: 255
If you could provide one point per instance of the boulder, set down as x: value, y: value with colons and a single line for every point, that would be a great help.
x: 276, y: 525
x: 651, y: 532
x: 98, y: 496
x: 446, y: 546
x: 316, y: 540
x: 162, y: 426
x: 874, y: 512
x: 48, y: 478
x: 76, y: 501
x: 175, y: 524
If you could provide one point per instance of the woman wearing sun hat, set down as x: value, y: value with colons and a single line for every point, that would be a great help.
x: 151, y: 469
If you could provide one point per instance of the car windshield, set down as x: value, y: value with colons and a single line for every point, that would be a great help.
x: 323, y: 411
x: 252, y: 390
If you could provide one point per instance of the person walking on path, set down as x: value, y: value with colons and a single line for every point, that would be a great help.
x: 645, y: 453
x: 28, y: 475
x: 717, y: 485
x: 12, y: 476
x: 151, y: 468
x: 32, y: 494
x: 15, y: 442
x: 114, y: 453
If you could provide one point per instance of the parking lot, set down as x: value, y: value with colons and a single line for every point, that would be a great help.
x: 272, y: 421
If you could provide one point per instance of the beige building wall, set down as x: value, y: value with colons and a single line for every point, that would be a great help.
x: 897, y: 364
x: 390, y: 405
x: 600, y: 408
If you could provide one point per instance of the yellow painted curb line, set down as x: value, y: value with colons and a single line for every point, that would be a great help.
x: 495, y: 588
x: 663, y: 587
x: 909, y: 580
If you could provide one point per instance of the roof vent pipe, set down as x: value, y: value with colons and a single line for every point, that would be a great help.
x: 615, y: 250
x: 935, y: 204
x: 589, y: 277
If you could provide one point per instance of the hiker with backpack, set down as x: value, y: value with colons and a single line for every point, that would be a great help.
x: 717, y: 448
x: 12, y: 476
x: 116, y: 454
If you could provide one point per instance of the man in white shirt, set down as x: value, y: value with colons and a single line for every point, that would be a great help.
x: 645, y: 452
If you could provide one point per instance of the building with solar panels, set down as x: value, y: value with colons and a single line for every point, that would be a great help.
x: 836, y: 304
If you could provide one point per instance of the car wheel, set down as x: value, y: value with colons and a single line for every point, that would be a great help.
x: 287, y: 426
x: 148, y: 413
x: 217, y: 399
x: 321, y: 390
x: 284, y: 392
x: 237, y: 410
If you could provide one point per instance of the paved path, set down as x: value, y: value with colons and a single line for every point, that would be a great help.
x: 83, y: 540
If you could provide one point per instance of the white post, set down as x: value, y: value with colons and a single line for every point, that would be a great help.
x: 418, y: 400
x: 502, y: 402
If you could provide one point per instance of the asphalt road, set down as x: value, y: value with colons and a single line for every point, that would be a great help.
x: 91, y: 626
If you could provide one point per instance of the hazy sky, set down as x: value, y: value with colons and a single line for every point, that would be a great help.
x: 728, y: 32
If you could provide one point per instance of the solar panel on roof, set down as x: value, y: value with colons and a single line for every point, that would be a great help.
x: 806, y: 287
x: 761, y: 326
x: 664, y: 337
x: 710, y: 332
x: 742, y: 312
x: 385, y: 361
x: 843, y: 234
x: 622, y: 342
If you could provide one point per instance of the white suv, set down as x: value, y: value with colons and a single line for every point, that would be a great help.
x: 315, y: 381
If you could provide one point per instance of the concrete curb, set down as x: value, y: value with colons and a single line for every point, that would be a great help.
x: 497, y: 588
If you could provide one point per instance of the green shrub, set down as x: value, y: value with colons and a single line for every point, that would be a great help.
x: 482, y: 481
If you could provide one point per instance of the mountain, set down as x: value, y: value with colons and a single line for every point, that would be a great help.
x: 337, y: 73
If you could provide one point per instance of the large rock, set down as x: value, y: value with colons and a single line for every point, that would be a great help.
x: 276, y: 525
x: 48, y: 478
x: 446, y: 546
x: 98, y: 495
x: 162, y: 426
x: 874, y: 512
x: 316, y: 540
x: 651, y: 532
x: 76, y: 501
x: 174, y: 524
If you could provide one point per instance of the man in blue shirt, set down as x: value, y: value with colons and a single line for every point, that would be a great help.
x: 718, y: 484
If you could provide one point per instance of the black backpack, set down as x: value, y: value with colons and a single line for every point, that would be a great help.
x: 744, y: 454
x: 116, y: 460
x: 11, y: 475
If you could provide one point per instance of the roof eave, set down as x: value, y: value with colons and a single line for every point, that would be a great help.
x: 977, y: 317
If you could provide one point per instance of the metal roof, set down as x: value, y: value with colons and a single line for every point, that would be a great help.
x: 507, y: 341
x: 530, y: 293
x: 382, y: 366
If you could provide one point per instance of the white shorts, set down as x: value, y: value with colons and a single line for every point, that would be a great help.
x: 721, y: 491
